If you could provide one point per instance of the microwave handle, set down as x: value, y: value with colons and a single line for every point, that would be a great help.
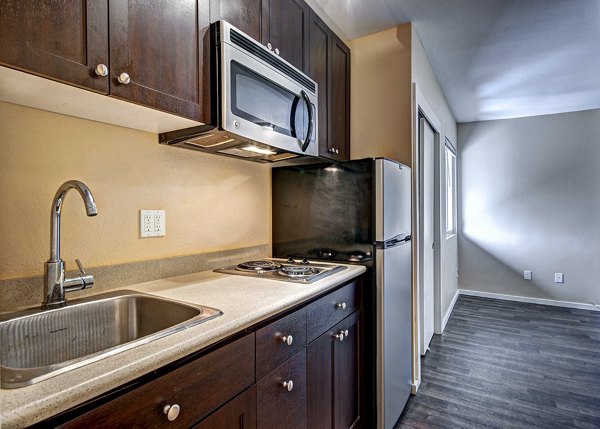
x: 310, y: 118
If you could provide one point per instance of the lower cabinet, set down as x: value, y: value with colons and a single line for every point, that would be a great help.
x: 334, y: 376
x: 181, y: 397
x: 299, y: 371
x: 282, y: 395
x: 239, y: 413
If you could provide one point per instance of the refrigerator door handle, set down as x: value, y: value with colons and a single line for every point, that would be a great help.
x: 395, y: 241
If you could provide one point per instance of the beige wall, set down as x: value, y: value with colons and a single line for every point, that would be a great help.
x: 380, y: 94
x: 211, y: 202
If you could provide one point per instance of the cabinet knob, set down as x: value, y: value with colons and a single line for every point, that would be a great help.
x: 289, y: 385
x: 171, y: 411
x: 287, y: 339
x: 101, y: 70
x: 269, y: 46
x: 277, y: 51
x: 336, y: 151
x: 341, y: 305
x: 124, y: 78
x: 340, y: 336
x: 346, y: 333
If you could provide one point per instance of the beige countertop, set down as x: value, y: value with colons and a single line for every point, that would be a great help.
x: 244, y: 301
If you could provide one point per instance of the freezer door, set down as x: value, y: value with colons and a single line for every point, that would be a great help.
x: 394, y: 332
x: 392, y: 199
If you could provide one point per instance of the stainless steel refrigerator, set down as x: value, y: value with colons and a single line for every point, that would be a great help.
x: 359, y: 212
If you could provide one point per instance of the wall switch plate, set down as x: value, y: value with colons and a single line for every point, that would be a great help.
x: 527, y: 274
x: 558, y: 278
x: 152, y: 223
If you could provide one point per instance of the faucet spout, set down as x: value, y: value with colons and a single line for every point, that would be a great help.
x: 54, y: 273
x: 57, y: 203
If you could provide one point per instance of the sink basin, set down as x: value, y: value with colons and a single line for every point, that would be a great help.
x: 39, y: 344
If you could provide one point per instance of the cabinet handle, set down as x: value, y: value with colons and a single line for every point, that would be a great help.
x: 287, y: 339
x: 341, y: 305
x: 124, y: 78
x: 269, y: 46
x: 289, y: 385
x: 101, y: 70
x: 276, y: 51
x: 171, y: 411
x: 340, y: 336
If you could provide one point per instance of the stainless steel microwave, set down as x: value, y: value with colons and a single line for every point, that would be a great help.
x: 265, y: 109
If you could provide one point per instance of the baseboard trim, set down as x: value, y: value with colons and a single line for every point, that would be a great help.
x: 449, y: 311
x: 415, y: 387
x: 542, y: 301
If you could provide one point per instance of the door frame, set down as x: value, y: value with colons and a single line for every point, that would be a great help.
x: 421, y: 107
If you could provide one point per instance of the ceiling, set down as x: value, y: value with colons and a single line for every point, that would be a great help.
x: 494, y: 58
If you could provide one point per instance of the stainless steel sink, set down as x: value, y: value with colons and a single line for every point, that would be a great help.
x: 39, y: 344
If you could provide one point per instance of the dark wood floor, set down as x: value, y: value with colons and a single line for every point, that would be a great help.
x: 502, y: 364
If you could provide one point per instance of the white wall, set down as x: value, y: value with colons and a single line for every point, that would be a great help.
x: 530, y: 199
x: 427, y: 84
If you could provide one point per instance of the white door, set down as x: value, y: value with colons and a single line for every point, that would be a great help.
x: 427, y: 143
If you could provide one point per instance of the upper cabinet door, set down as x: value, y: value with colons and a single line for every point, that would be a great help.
x: 61, y: 39
x: 155, y: 49
x: 318, y: 69
x: 285, y: 25
x: 339, y: 104
x: 242, y: 14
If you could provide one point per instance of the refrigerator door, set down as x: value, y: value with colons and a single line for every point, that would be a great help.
x: 394, y: 328
x: 392, y: 199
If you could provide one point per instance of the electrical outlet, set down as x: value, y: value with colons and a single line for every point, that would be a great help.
x: 152, y: 223
x: 559, y: 278
x: 160, y: 223
x: 527, y: 274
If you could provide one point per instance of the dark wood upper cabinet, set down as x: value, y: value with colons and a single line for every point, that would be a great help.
x: 329, y: 66
x: 285, y: 25
x: 158, y: 45
x: 319, y: 37
x: 243, y: 14
x: 60, y: 39
x: 339, y: 106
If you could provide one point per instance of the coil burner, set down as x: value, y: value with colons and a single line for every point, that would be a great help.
x: 298, y: 272
x: 293, y: 271
x: 259, y: 266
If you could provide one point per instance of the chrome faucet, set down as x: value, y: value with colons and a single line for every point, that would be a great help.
x: 55, y: 284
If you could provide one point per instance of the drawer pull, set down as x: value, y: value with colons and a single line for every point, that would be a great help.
x: 289, y: 385
x: 287, y: 339
x: 101, y: 70
x: 124, y: 78
x: 171, y: 411
x: 341, y: 305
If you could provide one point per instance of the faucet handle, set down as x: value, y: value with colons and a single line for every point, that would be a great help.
x: 81, y: 269
x: 84, y: 281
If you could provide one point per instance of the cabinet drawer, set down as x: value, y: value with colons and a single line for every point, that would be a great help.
x: 331, y: 309
x: 278, y: 406
x: 279, y: 341
x: 198, y: 387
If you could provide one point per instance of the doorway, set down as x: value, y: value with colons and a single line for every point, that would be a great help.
x: 428, y: 138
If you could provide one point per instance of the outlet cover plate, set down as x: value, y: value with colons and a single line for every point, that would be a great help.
x: 527, y: 274
x: 152, y: 223
x: 559, y: 278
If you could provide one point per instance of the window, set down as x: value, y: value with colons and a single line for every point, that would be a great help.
x: 450, y: 190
